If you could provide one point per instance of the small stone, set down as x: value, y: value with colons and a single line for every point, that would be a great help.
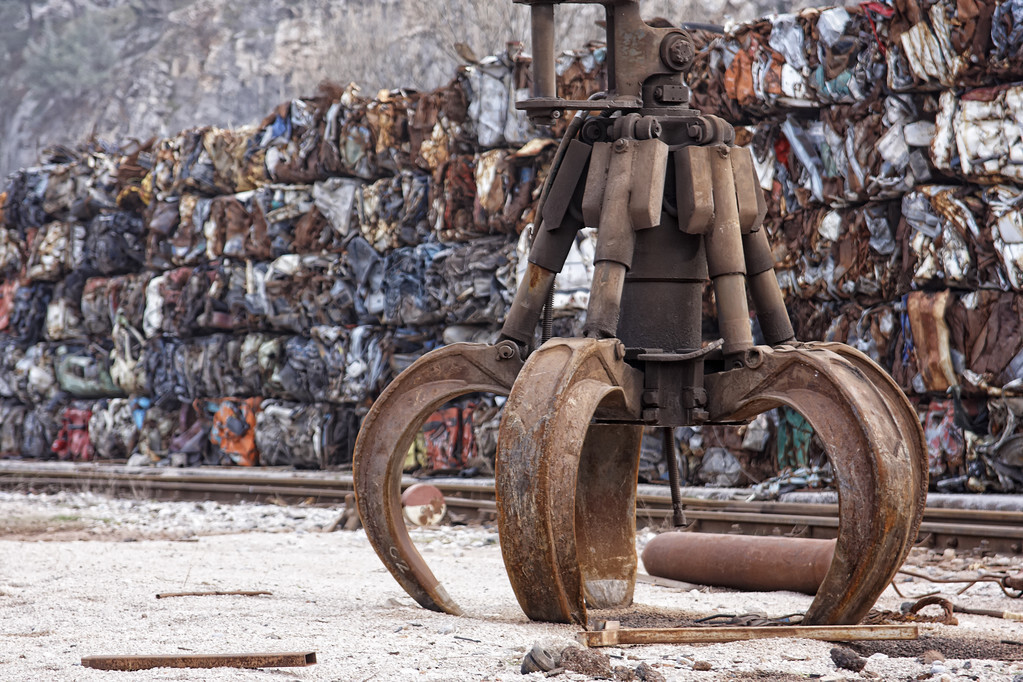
x: 702, y: 665
x: 624, y: 674
x: 847, y: 658
x: 931, y: 656
x: 938, y: 669
x: 646, y: 673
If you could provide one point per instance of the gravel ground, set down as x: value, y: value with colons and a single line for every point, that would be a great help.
x: 79, y: 574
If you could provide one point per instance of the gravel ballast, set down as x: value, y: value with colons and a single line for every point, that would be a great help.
x: 79, y: 575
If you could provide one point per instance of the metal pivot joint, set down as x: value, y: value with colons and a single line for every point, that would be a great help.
x: 676, y: 205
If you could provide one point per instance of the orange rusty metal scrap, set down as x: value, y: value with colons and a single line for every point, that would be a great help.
x: 144, y: 662
x: 744, y: 562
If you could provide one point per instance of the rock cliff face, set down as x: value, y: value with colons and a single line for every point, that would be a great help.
x: 118, y: 69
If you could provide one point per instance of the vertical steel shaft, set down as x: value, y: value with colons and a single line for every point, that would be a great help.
x: 544, y: 78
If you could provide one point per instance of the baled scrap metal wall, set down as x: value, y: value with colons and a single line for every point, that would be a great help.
x: 294, y: 267
x: 241, y: 296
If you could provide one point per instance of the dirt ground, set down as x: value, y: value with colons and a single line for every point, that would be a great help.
x: 79, y: 575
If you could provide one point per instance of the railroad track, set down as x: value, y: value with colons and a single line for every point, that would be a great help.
x: 946, y: 523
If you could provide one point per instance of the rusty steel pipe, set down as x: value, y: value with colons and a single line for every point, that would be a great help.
x: 725, y: 261
x: 527, y: 306
x: 763, y: 285
x: 756, y: 563
x: 544, y: 77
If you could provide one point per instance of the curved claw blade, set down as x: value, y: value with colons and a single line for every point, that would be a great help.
x: 903, y: 412
x: 386, y: 434
x: 566, y: 488
x: 874, y: 450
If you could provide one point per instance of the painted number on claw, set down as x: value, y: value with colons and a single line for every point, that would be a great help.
x: 398, y: 562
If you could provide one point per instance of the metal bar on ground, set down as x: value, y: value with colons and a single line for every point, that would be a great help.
x: 128, y: 663
x: 236, y: 593
x: 709, y: 635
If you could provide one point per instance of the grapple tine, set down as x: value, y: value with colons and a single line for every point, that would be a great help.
x: 876, y: 465
x: 386, y: 434
x: 566, y: 488
x: 905, y: 415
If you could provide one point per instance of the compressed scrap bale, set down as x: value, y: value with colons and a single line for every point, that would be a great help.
x: 297, y: 292
x: 839, y: 254
x: 945, y: 44
x: 410, y: 294
x: 12, y: 421
x: 35, y: 375
x: 40, y: 429
x: 979, y: 133
x: 495, y: 84
x: 986, y: 327
x: 115, y: 243
x: 54, y: 251
x: 105, y: 299
x: 84, y: 371
x: 302, y: 369
x: 23, y: 205
x: 305, y: 435
x: 176, y: 233
x: 394, y: 211
x: 233, y: 431
x: 474, y: 282
x: 113, y: 429
x: 366, y: 364
x: 12, y: 253
x: 941, y: 238
x: 72, y: 441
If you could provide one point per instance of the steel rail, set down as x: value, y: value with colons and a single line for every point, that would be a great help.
x: 996, y: 530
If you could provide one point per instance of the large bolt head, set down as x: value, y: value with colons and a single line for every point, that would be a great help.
x: 677, y: 51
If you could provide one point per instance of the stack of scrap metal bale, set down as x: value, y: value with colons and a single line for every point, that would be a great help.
x: 241, y: 296
x: 889, y: 139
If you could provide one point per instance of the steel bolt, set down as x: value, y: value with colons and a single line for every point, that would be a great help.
x: 506, y: 350
x: 677, y: 52
x: 620, y: 145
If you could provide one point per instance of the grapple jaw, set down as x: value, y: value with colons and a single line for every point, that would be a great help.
x: 384, y: 439
x: 675, y: 203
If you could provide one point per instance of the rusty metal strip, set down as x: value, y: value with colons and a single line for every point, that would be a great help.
x: 876, y: 457
x: 705, y: 635
x: 388, y: 430
x: 128, y: 663
x: 235, y: 593
x: 566, y: 489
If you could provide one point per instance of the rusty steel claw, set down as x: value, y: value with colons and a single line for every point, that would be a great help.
x: 384, y: 439
x: 566, y: 488
x: 903, y: 411
x: 876, y: 450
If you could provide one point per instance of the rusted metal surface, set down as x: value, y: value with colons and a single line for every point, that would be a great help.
x: 741, y: 562
x: 569, y: 437
x: 708, y: 635
x: 284, y: 660
x: 876, y: 463
x: 387, y: 432
x: 234, y: 593
x: 423, y: 504
x: 566, y: 488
